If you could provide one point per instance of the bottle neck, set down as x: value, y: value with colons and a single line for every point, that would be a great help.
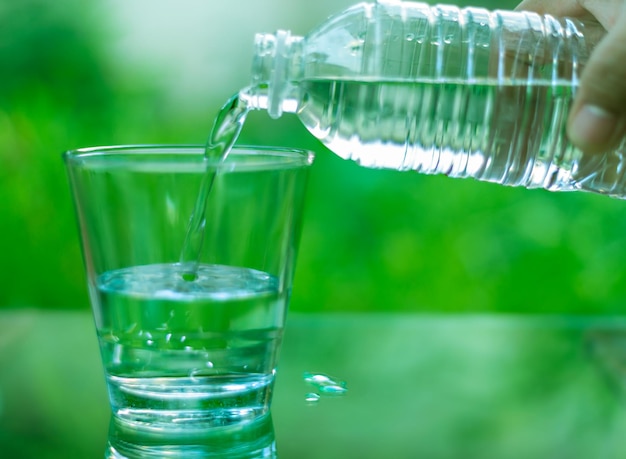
x: 275, y: 67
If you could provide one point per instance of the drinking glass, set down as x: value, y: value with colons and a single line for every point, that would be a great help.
x: 189, y: 341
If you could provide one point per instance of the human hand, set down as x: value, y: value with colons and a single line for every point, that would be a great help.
x: 597, y: 121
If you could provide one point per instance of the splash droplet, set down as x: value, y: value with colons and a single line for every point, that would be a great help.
x: 325, y: 385
x: 333, y: 389
x: 311, y: 398
x: 317, y: 379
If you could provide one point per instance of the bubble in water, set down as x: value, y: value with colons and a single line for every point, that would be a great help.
x: 116, y: 358
x: 195, y: 374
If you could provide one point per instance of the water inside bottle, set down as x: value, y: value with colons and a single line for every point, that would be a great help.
x: 507, y: 132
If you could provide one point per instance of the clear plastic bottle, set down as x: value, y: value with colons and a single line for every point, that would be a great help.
x: 440, y: 89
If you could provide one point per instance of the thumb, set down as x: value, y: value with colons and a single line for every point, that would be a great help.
x: 597, y: 122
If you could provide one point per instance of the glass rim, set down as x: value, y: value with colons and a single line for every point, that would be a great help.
x: 257, y: 156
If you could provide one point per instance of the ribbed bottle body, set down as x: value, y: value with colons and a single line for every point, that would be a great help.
x: 455, y: 128
x: 443, y: 90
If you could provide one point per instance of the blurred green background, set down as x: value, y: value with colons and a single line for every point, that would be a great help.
x: 77, y: 73
x: 154, y: 71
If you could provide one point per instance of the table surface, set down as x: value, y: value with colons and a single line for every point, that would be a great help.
x: 419, y: 386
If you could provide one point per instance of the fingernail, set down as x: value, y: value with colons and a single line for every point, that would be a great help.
x: 592, y: 129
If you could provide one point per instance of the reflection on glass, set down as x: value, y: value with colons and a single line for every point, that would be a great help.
x: 247, y: 440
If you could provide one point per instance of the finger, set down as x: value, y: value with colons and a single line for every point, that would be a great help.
x: 597, y: 121
x: 559, y: 8
x: 606, y: 12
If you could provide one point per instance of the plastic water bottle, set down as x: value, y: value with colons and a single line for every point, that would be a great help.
x: 439, y: 89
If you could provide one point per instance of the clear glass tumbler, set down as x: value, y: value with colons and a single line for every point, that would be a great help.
x: 189, y: 342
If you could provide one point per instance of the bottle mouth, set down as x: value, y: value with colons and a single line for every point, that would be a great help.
x: 271, y: 67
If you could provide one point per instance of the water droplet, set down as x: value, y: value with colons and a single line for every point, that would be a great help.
x: 312, y: 398
x: 209, y: 364
x: 333, y: 389
x: 149, y: 342
x: 168, y: 337
x: 325, y: 385
x: 317, y: 379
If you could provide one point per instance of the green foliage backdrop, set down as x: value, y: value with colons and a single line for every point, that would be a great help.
x: 373, y: 240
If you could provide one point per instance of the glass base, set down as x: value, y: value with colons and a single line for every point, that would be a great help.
x: 245, y: 440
